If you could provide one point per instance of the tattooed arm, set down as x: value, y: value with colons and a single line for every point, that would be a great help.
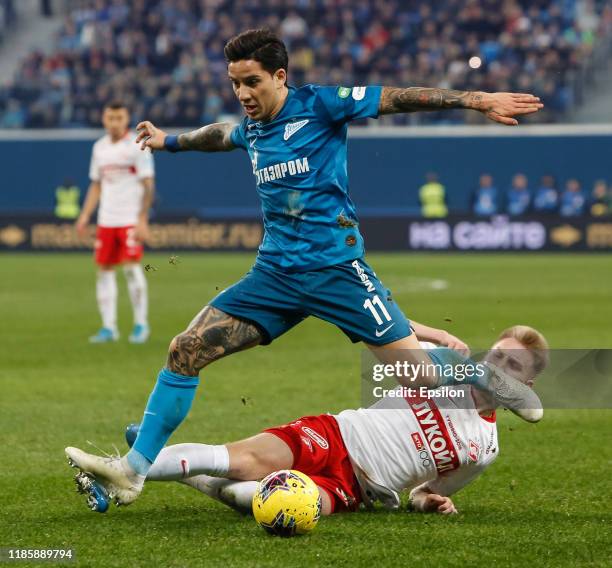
x: 499, y: 107
x: 211, y: 335
x: 210, y: 138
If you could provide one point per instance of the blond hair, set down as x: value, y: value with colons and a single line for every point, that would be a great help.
x: 532, y: 340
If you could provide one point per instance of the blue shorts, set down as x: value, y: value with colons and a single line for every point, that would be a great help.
x: 349, y: 295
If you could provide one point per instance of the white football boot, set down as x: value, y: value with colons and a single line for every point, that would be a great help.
x: 514, y: 395
x: 113, y: 473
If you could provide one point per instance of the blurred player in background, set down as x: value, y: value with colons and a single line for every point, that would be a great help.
x: 122, y: 183
x: 311, y: 261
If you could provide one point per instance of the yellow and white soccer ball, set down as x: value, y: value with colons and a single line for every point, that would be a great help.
x: 286, y: 503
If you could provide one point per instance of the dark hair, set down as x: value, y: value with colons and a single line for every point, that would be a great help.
x: 260, y: 45
x: 115, y: 105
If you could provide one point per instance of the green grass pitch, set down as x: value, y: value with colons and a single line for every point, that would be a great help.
x: 545, y: 502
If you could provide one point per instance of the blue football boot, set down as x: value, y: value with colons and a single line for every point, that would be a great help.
x: 104, y: 335
x: 97, y: 497
x: 140, y: 334
x: 131, y: 432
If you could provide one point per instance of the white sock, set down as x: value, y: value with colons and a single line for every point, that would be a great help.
x: 235, y: 494
x: 185, y: 460
x: 106, y: 294
x: 137, y: 289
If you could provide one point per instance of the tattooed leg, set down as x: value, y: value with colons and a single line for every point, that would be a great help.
x: 211, y: 335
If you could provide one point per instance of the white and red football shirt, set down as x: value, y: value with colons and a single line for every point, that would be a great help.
x: 120, y: 168
x: 398, y: 444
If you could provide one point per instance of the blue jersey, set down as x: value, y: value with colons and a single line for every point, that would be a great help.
x: 486, y: 201
x: 572, y: 203
x: 300, y: 166
x: 546, y: 199
x: 518, y: 201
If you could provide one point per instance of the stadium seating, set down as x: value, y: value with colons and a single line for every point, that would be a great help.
x: 165, y: 57
x: 7, y: 18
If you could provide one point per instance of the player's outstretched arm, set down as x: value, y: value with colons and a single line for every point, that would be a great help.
x: 210, y: 138
x: 439, y: 337
x: 499, y: 107
x: 434, y: 496
x: 424, y: 501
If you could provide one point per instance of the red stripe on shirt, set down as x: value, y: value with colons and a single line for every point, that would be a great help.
x: 436, y: 434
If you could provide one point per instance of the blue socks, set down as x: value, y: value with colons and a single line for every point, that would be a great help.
x: 457, y: 369
x: 168, y: 406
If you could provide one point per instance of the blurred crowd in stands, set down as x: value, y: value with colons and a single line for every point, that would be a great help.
x: 521, y: 198
x: 544, y: 197
x: 7, y: 17
x: 164, y: 58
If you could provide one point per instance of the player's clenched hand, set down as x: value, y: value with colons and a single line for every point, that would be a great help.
x: 455, y: 343
x: 503, y: 107
x: 439, y: 504
x: 142, y: 231
x: 149, y: 136
x: 81, y: 226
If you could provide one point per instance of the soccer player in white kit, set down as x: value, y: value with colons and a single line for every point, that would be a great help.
x: 122, y: 183
x: 431, y: 447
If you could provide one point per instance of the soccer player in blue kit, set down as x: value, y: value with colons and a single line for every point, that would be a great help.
x: 311, y: 259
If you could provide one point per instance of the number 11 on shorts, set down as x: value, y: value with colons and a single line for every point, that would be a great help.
x: 370, y: 304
